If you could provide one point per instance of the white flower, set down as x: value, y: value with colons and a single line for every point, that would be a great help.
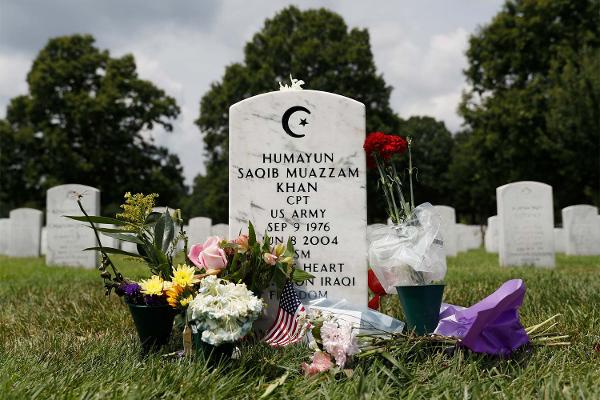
x: 223, y: 311
x: 339, y: 340
x: 296, y: 84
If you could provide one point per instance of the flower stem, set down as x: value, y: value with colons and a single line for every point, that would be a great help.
x: 410, y: 172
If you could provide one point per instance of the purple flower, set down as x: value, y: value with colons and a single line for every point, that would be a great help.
x: 131, y: 289
x: 154, y: 300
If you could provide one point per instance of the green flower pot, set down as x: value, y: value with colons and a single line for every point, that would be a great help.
x: 222, y: 352
x: 421, y: 305
x: 153, y: 324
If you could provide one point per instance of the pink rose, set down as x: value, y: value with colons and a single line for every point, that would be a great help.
x: 321, y: 362
x: 208, y: 255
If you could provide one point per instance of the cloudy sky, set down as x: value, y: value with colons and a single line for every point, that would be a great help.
x: 184, y: 45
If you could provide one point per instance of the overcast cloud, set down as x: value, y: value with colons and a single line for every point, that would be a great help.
x: 184, y: 45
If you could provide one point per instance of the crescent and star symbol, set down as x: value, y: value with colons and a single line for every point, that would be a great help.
x: 285, y: 120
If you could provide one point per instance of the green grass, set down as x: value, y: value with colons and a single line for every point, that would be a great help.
x: 60, y: 337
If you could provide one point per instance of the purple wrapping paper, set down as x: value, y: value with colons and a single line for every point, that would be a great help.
x: 491, y: 326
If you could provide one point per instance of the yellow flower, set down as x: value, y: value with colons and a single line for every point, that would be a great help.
x: 173, y: 295
x: 186, y: 301
x: 152, y: 286
x: 184, y: 276
x: 279, y: 249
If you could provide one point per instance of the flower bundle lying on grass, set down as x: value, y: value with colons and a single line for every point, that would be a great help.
x: 333, y: 338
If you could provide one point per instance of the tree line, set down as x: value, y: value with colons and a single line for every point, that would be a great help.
x: 531, y: 112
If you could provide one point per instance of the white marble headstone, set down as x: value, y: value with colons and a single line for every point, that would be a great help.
x: 559, y: 240
x: 25, y: 232
x: 222, y: 231
x: 199, y: 229
x: 110, y: 241
x: 582, y: 231
x: 44, y: 241
x: 448, y: 229
x: 129, y: 247
x: 525, y: 224
x: 67, y: 238
x: 297, y: 169
x: 462, y: 238
x: 491, y: 235
x: 474, y: 237
x: 4, y: 235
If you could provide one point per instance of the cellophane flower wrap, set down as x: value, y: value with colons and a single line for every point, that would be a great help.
x: 410, y: 250
x: 223, y: 312
x: 408, y: 253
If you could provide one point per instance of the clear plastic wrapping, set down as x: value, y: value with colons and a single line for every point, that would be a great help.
x: 410, y: 253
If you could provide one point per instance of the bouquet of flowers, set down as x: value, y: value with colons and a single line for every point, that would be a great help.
x: 410, y: 251
x: 220, y: 310
x: 245, y: 259
x: 408, y: 256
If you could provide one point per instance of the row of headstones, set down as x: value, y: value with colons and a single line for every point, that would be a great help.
x: 523, y: 231
x: 578, y: 237
x: 577, y: 244
x: 62, y: 240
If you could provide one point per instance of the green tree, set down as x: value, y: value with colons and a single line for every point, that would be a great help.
x: 432, y: 153
x: 523, y: 66
x: 82, y: 122
x: 315, y: 45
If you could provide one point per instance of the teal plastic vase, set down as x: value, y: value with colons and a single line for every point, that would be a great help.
x: 153, y: 324
x: 421, y: 306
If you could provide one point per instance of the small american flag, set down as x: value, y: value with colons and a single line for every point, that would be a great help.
x: 287, y: 329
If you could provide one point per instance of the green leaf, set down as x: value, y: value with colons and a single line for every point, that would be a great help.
x: 280, y: 278
x: 111, y: 250
x: 299, y: 275
x: 159, y: 232
x: 110, y: 230
x: 124, y: 237
x: 96, y: 219
x: 152, y: 218
x: 251, y: 234
x: 169, y: 231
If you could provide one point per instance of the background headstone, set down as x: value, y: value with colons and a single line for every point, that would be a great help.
x: 582, y: 231
x: 297, y: 169
x: 4, y: 235
x: 67, y: 238
x: 474, y: 236
x: 491, y: 235
x: 222, y: 231
x: 559, y: 240
x: 525, y: 224
x: 110, y: 241
x: 448, y: 229
x: 199, y: 229
x: 25, y: 232
x: 129, y: 247
x: 44, y: 241
x: 462, y: 238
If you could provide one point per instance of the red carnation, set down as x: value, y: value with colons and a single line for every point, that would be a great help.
x: 383, y: 145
